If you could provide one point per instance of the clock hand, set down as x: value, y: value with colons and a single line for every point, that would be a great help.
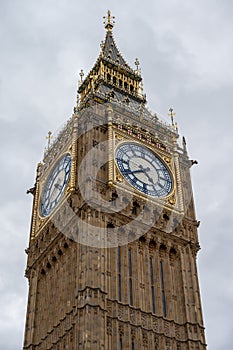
x: 141, y: 170
x: 144, y: 169
x: 58, y: 186
x: 149, y: 178
x: 132, y: 162
x: 138, y: 171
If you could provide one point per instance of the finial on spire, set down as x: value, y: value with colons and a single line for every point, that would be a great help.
x: 109, y: 21
x: 172, y: 115
x: 137, y: 64
x: 184, y: 145
x: 49, y: 137
x: 81, y: 75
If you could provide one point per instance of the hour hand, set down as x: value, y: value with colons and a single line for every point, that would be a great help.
x: 149, y: 178
x: 58, y: 186
x: 143, y: 169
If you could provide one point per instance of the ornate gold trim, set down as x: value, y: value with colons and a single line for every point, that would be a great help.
x: 74, y: 148
x: 36, y: 202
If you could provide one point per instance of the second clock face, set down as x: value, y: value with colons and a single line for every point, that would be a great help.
x: 56, y: 185
x: 143, y: 169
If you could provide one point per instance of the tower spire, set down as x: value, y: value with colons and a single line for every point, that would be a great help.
x: 109, y: 21
x: 111, y: 72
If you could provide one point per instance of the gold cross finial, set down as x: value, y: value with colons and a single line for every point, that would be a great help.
x: 172, y: 115
x: 49, y: 137
x: 109, y: 21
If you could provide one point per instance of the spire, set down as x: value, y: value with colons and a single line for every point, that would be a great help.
x: 111, y: 71
x: 111, y: 53
x: 109, y: 21
x: 109, y: 49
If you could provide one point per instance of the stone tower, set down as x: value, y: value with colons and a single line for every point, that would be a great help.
x: 113, y: 242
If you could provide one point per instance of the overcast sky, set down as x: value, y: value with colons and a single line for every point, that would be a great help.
x: 186, y: 52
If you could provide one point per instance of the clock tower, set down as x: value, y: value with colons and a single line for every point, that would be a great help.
x: 113, y: 241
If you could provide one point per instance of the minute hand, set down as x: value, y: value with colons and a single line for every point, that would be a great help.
x: 141, y: 170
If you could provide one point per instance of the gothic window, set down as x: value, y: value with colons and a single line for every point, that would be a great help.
x: 59, y: 252
x: 126, y: 85
x: 113, y: 198
x: 120, y: 83
x: 121, y: 343
x: 163, y: 289
x: 152, y: 285
x: 165, y: 217
x: 131, y: 88
x: 114, y: 80
x: 142, y: 239
x: 130, y: 278
x: 132, y: 345
x: 119, y: 273
x: 135, y: 208
x: 172, y: 255
x: 152, y: 246
x: 108, y: 77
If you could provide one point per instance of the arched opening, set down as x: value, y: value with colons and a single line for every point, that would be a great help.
x: 126, y: 85
x: 135, y: 208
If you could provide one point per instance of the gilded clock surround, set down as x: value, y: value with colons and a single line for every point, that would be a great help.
x: 121, y: 136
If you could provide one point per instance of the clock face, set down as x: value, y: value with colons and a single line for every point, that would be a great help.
x: 143, y: 169
x: 56, y: 185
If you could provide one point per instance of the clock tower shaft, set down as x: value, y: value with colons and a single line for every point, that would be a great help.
x: 112, y: 250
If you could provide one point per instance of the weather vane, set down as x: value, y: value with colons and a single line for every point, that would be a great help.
x: 109, y: 21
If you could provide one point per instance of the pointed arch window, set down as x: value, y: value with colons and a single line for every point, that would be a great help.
x: 152, y: 285
x: 163, y: 289
x: 121, y: 343
x: 130, y: 278
x: 119, y: 272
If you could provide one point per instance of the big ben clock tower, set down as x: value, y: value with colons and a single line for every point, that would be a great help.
x: 113, y: 241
